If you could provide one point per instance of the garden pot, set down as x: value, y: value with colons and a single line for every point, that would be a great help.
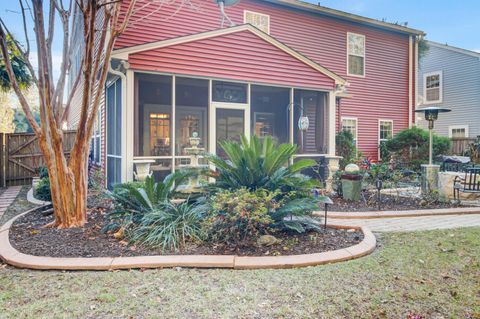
x: 35, y: 182
x: 351, y: 187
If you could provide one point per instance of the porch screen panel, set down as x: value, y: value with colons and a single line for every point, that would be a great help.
x: 310, y: 104
x: 191, y: 113
x: 230, y: 126
x: 269, y: 112
x: 114, y: 133
x: 153, y: 115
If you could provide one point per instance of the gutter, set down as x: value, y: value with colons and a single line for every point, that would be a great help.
x: 301, y: 5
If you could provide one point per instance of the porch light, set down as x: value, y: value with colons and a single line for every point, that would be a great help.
x: 431, y: 115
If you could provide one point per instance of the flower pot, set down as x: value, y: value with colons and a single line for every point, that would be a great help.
x: 352, y: 187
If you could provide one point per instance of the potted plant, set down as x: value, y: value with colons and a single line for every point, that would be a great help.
x: 351, y: 182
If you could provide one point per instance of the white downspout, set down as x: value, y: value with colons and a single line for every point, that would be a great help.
x: 123, y: 78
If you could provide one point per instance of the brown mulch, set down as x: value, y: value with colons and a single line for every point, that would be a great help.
x: 28, y: 235
x: 388, y: 202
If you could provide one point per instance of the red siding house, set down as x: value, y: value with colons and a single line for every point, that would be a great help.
x: 176, y: 70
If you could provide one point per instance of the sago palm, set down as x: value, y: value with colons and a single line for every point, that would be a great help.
x: 259, y: 163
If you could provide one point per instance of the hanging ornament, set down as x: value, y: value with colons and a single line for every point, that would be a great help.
x: 303, y: 123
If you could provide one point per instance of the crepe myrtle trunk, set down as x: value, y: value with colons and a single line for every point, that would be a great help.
x: 103, y: 21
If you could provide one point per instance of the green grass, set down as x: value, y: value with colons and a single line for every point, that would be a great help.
x: 435, y: 274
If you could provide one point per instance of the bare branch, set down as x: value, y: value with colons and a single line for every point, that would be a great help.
x: 27, y: 40
x: 65, y: 66
x: 70, y: 97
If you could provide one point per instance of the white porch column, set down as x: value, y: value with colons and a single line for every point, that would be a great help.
x: 332, y: 112
x: 128, y: 128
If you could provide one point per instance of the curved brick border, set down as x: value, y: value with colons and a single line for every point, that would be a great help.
x: 35, y: 201
x: 401, y: 213
x: 18, y: 259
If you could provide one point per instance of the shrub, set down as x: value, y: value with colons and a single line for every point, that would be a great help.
x: 345, y: 147
x: 42, y: 190
x: 168, y: 226
x: 142, y: 210
x: 258, y: 164
x: 242, y: 215
x: 145, y: 196
x: 411, y: 146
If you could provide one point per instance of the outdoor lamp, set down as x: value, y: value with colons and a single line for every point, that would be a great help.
x: 323, y: 200
x: 431, y: 115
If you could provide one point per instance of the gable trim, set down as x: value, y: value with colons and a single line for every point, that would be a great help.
x: 124, y: 52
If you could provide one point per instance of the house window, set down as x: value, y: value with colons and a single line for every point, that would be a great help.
x: 350, y: 125
x: 458, y: 131
x: 229, y: 92
x: 385, y: 130
x: 258, y: 20
x: 432, y: 87
x: 356, y: 54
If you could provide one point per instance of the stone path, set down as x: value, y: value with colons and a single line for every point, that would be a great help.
x: 412, y: 223
x: 7, y: 197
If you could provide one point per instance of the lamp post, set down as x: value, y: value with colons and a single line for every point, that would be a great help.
x: 431, y: 115
x: 430, y: 172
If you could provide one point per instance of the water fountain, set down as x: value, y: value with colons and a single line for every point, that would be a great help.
x: 194, y: 151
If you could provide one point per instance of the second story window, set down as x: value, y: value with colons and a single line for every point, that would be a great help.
x: 432, y: 87
x: 258, y: 20
x: 356, y: 54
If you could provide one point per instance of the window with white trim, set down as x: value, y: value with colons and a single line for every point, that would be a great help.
x: 350, y: 125
x: 259, y: 20
x: 355, y: 54
x: 432, y: 87
x: 458, y: 131
x: 385, y: 128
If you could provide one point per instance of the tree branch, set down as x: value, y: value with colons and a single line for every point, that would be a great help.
x: 24, y: 20
x: 13, y: 81
x: 22, y: 52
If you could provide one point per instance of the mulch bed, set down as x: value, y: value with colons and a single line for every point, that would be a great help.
x: 388, y: 202
x: 28, y: 236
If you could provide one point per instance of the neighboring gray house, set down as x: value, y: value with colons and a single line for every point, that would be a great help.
x: 450, y: 77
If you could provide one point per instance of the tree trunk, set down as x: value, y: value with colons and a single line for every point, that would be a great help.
x: 69, y: 186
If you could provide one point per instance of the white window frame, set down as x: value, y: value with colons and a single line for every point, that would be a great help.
x: 379, y: 127
x: 356, y: 126
x: 457, y: 127
x: 440, y: 93
x: 364, y: 56
x: 257, y: 13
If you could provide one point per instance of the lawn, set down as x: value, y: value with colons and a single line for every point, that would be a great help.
x: 435, y: 274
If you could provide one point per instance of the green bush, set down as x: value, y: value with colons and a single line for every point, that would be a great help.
x: 411, y: 146
x: 258, y: 164
x: 42, y: 190
x: 168, y: 226
x: 142, y: 210
x: 242, y: 215
x: 345, y: 147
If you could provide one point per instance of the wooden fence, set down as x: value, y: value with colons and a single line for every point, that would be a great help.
x: 21, y: 158
x: 460, y: 145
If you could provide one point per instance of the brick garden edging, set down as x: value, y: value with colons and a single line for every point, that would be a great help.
x: 401, y: 213
x: 15, y: 258
x: 31, y: 198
